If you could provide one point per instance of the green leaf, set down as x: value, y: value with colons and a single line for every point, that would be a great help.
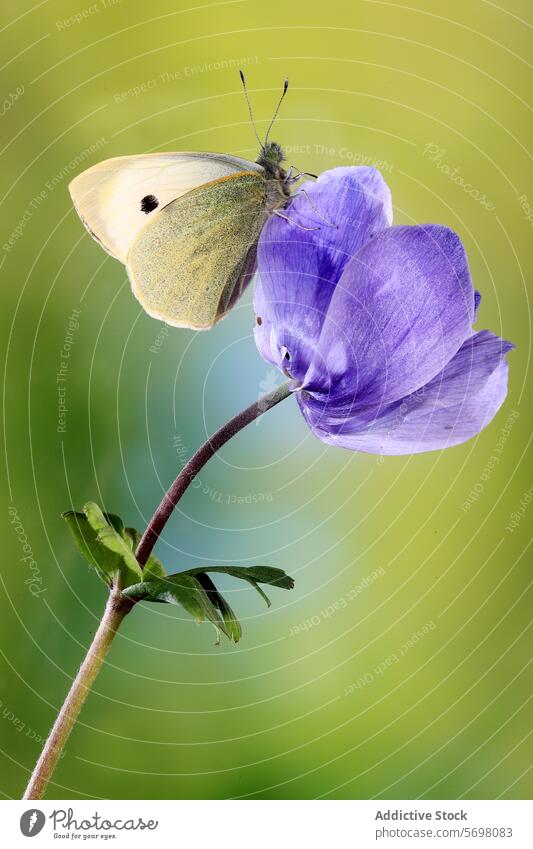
x: 153, y: 567
x: 106, y: 562
x: 101, y: 538
x: 253, y: 574
x: 115, y: 541
x: 182, y: 589
x: 233, y: 626
x: 196, y: 593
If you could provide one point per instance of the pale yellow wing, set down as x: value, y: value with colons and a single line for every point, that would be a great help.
x: 190, y: 263
x: 115, y: 198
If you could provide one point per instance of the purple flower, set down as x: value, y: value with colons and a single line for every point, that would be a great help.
x: 374, y: 322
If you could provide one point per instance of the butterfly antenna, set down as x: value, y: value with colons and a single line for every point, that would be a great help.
x: 284, y: 92
x: 243, y: 81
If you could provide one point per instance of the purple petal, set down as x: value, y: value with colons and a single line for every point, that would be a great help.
x: 402, y: 309
x: 299, y: 269
x: 451, y: 408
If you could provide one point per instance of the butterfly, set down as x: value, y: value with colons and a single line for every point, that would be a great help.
x: 185, y: 225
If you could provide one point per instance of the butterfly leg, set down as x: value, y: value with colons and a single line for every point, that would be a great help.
x: 313, y: 207
x: 291, y: 178
x: 294, y: 178
x: 291, y: 221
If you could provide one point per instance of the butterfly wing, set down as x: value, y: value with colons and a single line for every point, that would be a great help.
x: 115, y: 198
x: 191, y: 262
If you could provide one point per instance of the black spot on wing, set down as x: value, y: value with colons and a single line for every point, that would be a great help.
x: 149, y: 203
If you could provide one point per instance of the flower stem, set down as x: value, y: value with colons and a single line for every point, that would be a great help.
x: 116, y: 609
x: 118, y: 605
x: 198, y: 460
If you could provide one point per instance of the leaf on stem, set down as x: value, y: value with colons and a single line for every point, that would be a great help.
x: 105, y: 562
x: 114, y: 541
x: 254, y: 575
x: 108, y: 546
x: 197, y: 594
x: 233, y: 626
x: 184, y: 590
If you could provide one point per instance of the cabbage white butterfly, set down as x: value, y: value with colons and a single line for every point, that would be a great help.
x: 185, y: 225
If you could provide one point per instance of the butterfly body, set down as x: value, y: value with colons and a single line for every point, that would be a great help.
x: 185, y: 225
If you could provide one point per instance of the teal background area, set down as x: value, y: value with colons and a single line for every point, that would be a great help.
x: 328, y: 694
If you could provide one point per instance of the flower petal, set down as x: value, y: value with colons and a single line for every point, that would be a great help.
x: 402, y: 309
x: 299, y: 268
x: 451, y: 408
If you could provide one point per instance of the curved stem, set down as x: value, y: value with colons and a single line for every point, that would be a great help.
x: 198, y: 460
x: 118, y: 605
x: 116, y: 609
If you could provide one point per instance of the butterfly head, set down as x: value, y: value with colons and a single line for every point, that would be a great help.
x: 270, y: 157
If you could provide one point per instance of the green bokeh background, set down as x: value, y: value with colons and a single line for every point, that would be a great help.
x: 171, y: 716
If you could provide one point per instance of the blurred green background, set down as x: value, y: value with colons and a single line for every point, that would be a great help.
x: 319, y: 698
